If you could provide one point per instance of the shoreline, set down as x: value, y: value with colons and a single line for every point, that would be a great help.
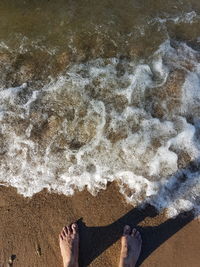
x: 30, y: 227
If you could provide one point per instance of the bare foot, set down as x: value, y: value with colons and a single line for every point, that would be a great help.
x: 69, y: 245
x: 131, y: 247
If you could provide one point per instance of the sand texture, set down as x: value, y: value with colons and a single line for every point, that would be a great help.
x: 29, y: 230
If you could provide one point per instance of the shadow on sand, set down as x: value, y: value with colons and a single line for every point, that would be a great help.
x: 98, y: 239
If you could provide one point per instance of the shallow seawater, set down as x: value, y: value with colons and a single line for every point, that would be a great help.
x: 93, y: 92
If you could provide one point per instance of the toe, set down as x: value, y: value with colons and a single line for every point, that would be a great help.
x: 63, y: 233
x: 60, y: 237
x: 133, y: 232
x: 74, y: 228
x: 127, y: 230
x: 65, y: 230
x: 69, y: 229
x: 137, y: 235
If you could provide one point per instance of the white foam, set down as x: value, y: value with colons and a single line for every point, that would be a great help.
x: 191, y: 93
x: 10, y: 93
x: 91, y: 126
x: 187, y: 17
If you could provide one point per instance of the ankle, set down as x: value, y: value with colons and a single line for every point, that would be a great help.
x: 70, y: 264
x: 126, y: 263
x: 67, y: 264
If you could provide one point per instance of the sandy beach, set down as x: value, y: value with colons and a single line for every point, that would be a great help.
x: 99, y: 97
x: 30, y: 226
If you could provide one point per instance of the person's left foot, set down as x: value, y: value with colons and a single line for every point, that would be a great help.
x: 69, y: 245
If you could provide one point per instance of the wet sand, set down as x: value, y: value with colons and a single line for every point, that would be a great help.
x: 29, y: 230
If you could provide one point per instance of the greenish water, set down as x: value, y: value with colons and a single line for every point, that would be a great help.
x: 97, y: 28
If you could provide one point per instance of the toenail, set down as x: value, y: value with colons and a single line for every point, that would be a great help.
x: 75, y: 225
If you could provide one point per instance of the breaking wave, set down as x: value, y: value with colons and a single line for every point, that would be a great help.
x: 133, y: 122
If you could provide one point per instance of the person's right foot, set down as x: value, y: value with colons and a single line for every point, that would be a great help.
x: 131, y: 247
x: 69, y: 245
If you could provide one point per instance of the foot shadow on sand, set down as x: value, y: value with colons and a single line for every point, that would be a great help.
x: 98, y: 239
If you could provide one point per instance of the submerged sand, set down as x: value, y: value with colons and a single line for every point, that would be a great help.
x: 29, y: 230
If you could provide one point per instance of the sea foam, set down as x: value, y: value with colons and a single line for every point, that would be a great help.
x: 136, y: 123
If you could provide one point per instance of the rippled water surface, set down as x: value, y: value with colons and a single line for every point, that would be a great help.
x: 100, y: 91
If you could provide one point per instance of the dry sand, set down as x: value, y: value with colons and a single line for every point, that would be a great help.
x: 29, y: 230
